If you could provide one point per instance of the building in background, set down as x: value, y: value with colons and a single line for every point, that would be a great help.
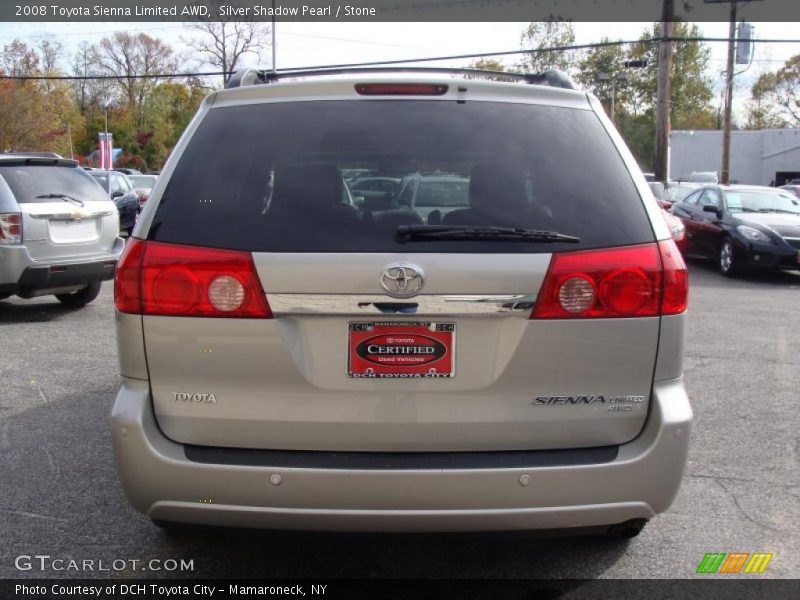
x: 758, y: 157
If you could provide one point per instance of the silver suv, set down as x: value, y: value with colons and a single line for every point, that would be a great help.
x: 59, y: 231
x: 293, y: 360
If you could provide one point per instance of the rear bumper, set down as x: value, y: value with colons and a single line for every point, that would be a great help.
x: 20, y: 274
x: 162, y: 482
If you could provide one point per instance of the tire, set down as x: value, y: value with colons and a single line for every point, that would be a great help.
x: 627, y: 530
x: 726, y: 260
x: 80, y: 298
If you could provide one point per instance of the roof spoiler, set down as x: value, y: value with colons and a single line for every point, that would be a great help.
x: 28, y: 159
x: 551, y: 77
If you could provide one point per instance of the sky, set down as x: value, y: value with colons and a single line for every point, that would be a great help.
x: 312, y: 44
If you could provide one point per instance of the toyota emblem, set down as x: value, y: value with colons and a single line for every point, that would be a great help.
x: 402, y: 280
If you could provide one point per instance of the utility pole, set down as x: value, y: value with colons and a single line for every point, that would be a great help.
x: 274, y: 49
x: 613, y: 78
x: 662, y: 102
x: 725, y: 171
x: 726, y: 118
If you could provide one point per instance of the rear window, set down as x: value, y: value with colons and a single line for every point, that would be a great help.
x: 267, y: 177
x: 27, y: 182
x: 142, y: 181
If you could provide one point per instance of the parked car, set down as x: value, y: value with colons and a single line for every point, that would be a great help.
x: 58, y: 230
x: 289, y: 362
x: 678, y: 190
x: 742, y: 226
x: 143, y: 184
x: 382, y: 188
x: 791, y: 188
x: 127, y: 171
x: 124, y: 195
x: 704, y: 177
x: 433, y: 196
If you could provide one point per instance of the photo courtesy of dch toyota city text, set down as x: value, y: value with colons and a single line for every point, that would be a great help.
x: 399, y: 299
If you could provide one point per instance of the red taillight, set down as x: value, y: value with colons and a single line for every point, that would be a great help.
x: 127, y: 278
x: 615, y: 282
x: 167, y: 279
x: 676, y: 279
x: 401, y: 89
x: 142, y: 200
x: 10, y: 228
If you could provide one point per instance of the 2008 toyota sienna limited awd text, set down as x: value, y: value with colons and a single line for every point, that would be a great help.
x: 504, y: 352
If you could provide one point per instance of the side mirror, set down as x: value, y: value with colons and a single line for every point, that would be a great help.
x: 117, y: 194
x: 712, y: 209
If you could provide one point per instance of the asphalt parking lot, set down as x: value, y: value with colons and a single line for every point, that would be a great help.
x: 60, y: 497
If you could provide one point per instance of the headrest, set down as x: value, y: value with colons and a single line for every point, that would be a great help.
x: 306, y: 187
x: 496, y: 188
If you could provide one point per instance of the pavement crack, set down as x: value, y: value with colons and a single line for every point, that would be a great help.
x: 738, y: 480
x: 32, y: 515
x: 50, y: 460
x: 42, y: 395
x: 744, y: 513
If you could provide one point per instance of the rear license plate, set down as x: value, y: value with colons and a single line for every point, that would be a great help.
x: 401, y: 350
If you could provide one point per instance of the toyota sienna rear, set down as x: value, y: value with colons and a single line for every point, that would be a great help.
x: 500, y: 348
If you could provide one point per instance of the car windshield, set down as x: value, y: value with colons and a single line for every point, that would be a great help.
x: 277, y: 185
x: 679, y: 192
x: 757, y: 201
x: 100, y: 178
x: 142, y: 181
x: 441, y: 193
x: 41, y: 183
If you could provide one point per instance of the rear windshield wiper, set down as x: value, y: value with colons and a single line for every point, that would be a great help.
x: 62, y: 197
x: 408, y: 233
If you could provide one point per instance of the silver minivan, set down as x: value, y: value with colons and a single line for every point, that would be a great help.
x: 292, y: 360
x: 59, y: 231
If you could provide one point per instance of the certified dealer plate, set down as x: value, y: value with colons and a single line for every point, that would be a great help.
x: 408, y: 350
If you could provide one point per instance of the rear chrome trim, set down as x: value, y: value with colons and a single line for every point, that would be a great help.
x: 353, y: 305
x: 75, y: 216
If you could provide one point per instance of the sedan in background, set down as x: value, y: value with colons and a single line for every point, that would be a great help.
x: 742, y: 226
x: 124, y: 195
x: 143, y: 185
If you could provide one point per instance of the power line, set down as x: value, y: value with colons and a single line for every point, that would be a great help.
x: 652, y: 40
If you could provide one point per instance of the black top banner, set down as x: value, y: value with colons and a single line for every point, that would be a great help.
x: 390, y: 10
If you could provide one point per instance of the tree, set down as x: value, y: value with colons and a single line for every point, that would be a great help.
x: 690, y: 86
x: 19, y: 60
x: 775, y: 98
x: 554, y: 32
x: 50, y: 52
x: 222, y: 44
x: 85, y: 64
x: 608, y: 60
x: 490, y: 64
x: 127, y: 57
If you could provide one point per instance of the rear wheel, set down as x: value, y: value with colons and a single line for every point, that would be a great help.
x: 80, y: 298
x: 728, y: 264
